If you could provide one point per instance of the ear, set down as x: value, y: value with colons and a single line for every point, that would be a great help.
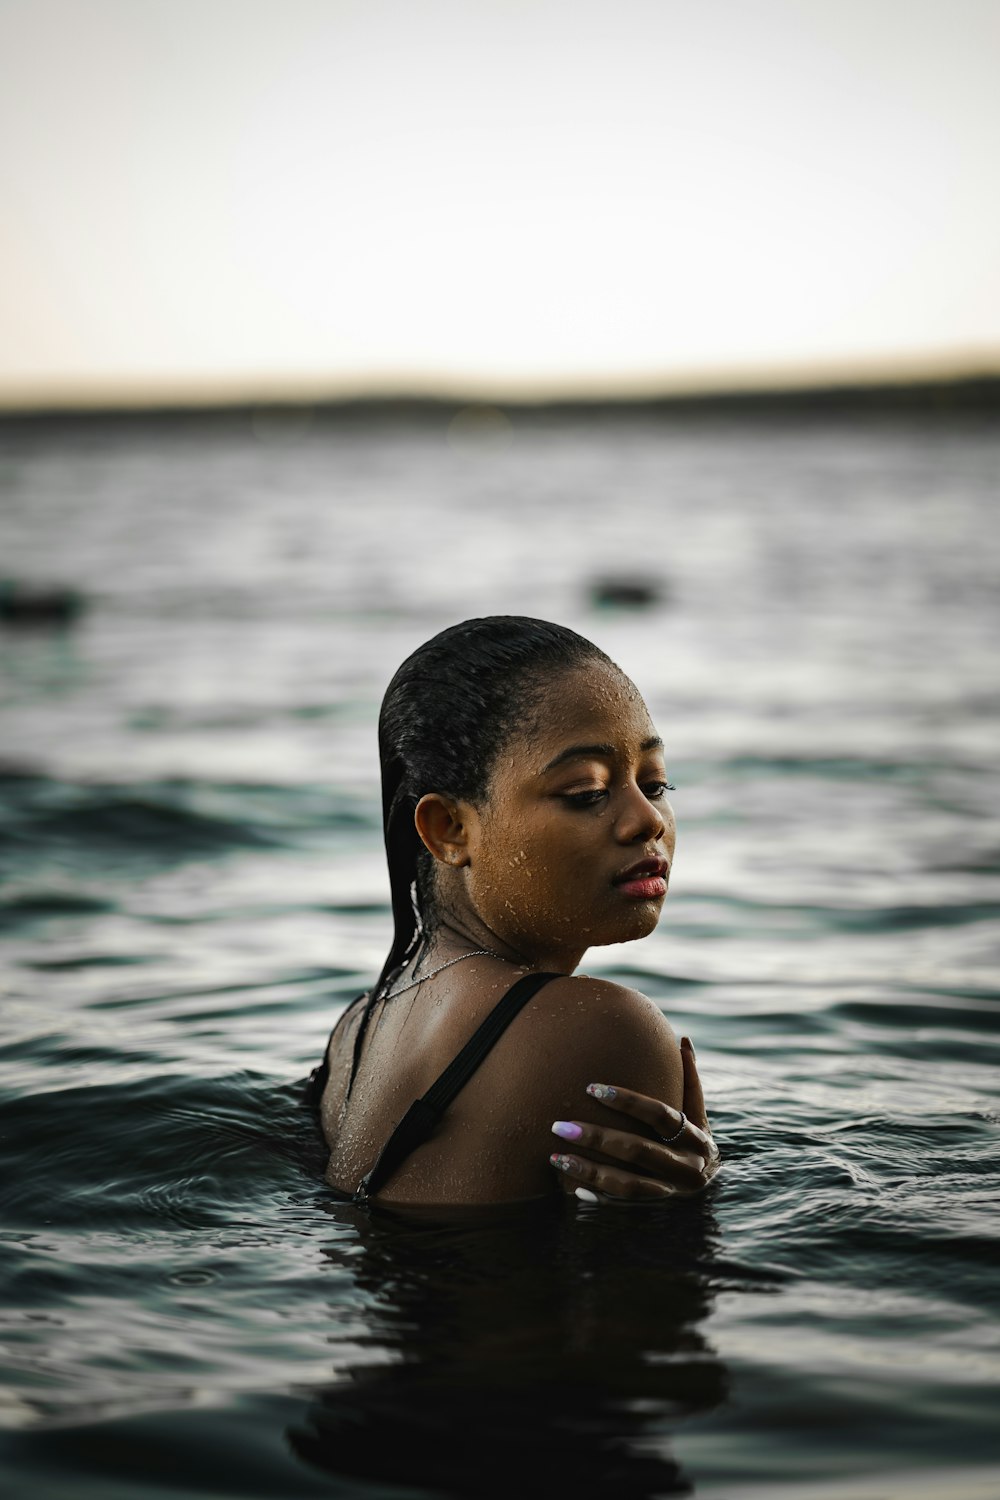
x: 443, y: 826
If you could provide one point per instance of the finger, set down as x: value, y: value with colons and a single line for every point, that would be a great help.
x: 627, y: 1186
x: 694, y: 1098
x: 682, y: 1167
x: 660, y: 1118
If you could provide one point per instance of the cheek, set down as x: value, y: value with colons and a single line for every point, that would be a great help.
x: 540, y: 873
x: 559, y: 878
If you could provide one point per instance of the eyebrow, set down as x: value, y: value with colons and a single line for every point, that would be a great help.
x: 597, y: 752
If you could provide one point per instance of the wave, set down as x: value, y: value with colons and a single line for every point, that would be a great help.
x: 156, y: 1153
x: 161, y: 821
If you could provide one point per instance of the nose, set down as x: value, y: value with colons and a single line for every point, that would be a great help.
x: 639, y: 820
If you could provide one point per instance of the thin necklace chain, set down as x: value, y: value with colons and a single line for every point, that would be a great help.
x: 477, y: 953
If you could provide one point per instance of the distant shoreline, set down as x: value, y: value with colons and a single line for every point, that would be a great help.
x: 968, y: 394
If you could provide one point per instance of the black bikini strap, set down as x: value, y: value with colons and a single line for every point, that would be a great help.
x: 425, y: 1112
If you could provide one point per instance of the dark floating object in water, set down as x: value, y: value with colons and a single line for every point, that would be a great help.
x: 628, y: 593
x: 34, y: 606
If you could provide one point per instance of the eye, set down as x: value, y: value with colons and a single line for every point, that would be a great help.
x: 655, y: 789
x: 585, y: 799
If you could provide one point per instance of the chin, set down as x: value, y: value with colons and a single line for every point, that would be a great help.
x: 631, y: 925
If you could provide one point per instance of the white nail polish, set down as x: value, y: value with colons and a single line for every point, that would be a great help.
x: 586, y: 1196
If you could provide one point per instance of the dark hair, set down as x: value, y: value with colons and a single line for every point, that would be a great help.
x: 446, y: 716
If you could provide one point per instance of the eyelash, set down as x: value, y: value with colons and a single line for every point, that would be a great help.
x: 590, y: 799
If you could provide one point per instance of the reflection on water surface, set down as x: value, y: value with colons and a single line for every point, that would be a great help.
x: 526, y: 1342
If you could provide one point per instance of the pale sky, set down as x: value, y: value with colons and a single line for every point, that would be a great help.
x: 258, y: 196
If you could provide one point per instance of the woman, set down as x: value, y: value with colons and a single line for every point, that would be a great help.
x: 526, y: 820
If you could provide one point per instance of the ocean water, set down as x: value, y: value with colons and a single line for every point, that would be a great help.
x: 193, y: 887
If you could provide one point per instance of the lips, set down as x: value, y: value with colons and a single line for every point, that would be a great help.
x: 642, y: 870
x: 645, y: 881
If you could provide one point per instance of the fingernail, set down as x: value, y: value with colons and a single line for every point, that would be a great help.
x: 567, y: 1130
x: 564, y: 1163
x: 601, y: 1090
x: 586, y: 1196
x: 686, y: 1042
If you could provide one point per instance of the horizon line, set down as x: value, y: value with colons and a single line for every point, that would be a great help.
x: 152, y: 394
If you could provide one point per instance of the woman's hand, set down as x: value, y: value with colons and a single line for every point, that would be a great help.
x: 681, y: 1162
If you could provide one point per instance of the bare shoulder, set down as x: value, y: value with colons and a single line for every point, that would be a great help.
x: 581, y: 1030
x: 575, y: 1031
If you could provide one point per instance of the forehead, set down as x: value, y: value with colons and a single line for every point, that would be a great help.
x: 594, y: 704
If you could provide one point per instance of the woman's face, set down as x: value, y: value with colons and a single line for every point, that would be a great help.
x: 575, y: 804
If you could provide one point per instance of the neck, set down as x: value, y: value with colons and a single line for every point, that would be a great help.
x: 461, y: 932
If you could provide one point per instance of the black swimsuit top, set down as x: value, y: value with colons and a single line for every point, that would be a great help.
x: 425, y: 1113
